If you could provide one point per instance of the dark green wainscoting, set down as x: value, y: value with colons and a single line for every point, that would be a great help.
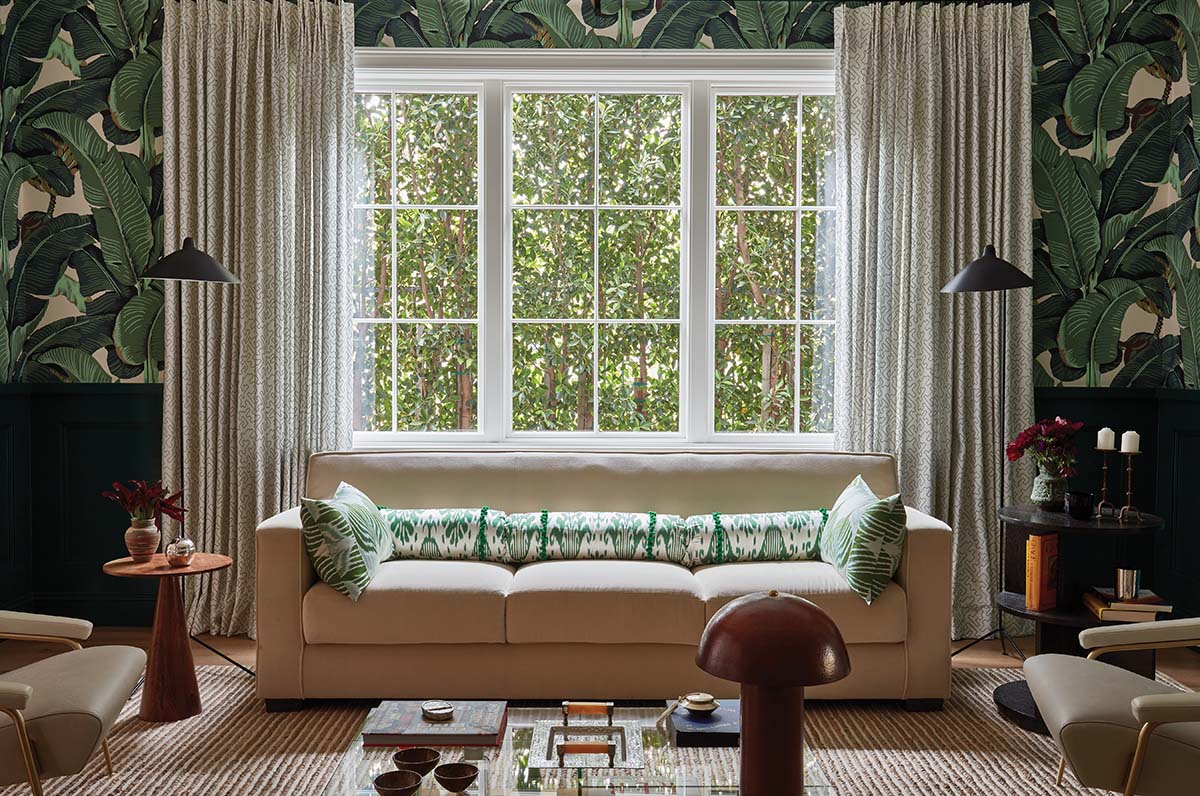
x: 60, y: 446
x: 1165, y: 479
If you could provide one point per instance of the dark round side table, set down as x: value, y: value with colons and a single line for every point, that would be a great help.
x: 1057, y: 630
x: 170, y: 692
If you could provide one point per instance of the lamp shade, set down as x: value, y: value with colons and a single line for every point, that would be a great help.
x: 988, y: 273
x: 190, y: 264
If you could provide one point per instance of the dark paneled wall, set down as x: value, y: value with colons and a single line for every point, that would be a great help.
x: 1165, y: 479
x: 60, y: 446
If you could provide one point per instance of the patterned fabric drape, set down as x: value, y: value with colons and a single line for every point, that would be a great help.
x: 932, y: 126
x: 258, y: 126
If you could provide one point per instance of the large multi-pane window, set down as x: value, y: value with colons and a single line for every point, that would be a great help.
x: 613, y: 261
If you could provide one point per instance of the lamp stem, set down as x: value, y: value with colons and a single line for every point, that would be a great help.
x: 1003, y: 382
x: 179, y: 391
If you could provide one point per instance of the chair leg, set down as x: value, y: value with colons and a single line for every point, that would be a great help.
x: 31, y: 769
x: 107, y: 756
x: 1062, y: 766
x: 1139, y: 756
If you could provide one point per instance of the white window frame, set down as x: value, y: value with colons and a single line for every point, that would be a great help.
x: 493, y: 75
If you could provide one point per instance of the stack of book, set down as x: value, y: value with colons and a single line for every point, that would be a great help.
x: 402, y: 723
x: 1145, y: 607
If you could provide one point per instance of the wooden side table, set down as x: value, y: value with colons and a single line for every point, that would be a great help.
x: 170, y: 692
x: 1057, y: 630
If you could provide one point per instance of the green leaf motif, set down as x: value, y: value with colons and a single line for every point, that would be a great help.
x: 1090, y: 332
x: 121, y: 214
x: 679, y: 24
x: 1081, y: 22
x: 80, y: 366
x: 1186, y: 14
x: 14, y: 170
x: 1152, y: 366
x: 138, y: 335
x: 554, y: 24
x: 761, y: 22
x: 1186, y: 276
x: 121, y: 20
x: 372, y: 17
x: 442, y: 21
x: 29, y: 28
x: 136, y: 96
x: 1141, y: 161
x: 40, y: 263
x: 1097, y: 95
x: 84, y: 332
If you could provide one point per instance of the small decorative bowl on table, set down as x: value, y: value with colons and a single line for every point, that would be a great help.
x: 419, y: 759
x: 455, y: 777
x: 397, y: 783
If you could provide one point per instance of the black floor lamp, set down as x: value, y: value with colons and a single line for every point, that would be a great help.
x: 990, y: 274
x: 189, y: 264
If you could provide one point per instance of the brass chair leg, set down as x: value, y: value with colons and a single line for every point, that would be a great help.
x: 1062, y: 766
x: 107, y: 756
x: 31, y: 769
x: 1139, y: 756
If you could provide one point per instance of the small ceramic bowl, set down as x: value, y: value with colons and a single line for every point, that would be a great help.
x: 700, y: 703
x: 455, y: 777
x: 419, y: 759
x: 397, y: 783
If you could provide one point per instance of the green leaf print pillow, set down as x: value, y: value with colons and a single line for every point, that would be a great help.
x: 864, y: 537
x: 772, y: 536
x: 346, y: 539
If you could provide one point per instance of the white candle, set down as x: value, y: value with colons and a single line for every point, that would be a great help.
x: 1106, y: 439
x: 1129, y: 442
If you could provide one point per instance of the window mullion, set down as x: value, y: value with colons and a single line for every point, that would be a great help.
x: 596, y: 262
x: 700, y: 201
x: 491, y: 241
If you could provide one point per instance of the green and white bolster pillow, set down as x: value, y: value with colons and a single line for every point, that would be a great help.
x: 864, y: 538
x: 346, y: 538
x: 471, y: 534
x: 564, y: 535
x: 773, y: 536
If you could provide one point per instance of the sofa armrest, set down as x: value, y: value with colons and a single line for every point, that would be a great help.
x: 1167, y: 708
x: 284, y: 576
x: 53, y: 628
x: 1141, y: 635
x: 924, y: 574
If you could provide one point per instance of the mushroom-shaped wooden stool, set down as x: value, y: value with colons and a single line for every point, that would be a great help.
x: 773, y: 644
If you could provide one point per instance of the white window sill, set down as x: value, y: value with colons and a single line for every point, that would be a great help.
x: 592, y: 443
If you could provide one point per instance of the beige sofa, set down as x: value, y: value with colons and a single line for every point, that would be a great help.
x: 582, y: 629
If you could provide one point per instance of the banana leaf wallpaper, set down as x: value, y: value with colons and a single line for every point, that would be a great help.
x: 1116, y: 101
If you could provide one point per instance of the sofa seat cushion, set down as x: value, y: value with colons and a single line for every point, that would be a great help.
x: 604, y: 602
x: 414, y: 602
x: 883, y: 621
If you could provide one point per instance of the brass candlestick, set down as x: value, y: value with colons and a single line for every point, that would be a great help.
x: 1129, y: 508
x: 1104, y: 502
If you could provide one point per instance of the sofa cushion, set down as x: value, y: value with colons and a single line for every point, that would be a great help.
x: 414, y: 602
x: 611, y: 535
x: 864, y: 538
x: 883, y: 621
x: 604, y: 602
x: 346, y: 538
x: 772, y: 536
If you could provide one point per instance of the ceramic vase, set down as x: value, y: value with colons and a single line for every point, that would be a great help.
x: 1048, y: 491
x: 142, y: 540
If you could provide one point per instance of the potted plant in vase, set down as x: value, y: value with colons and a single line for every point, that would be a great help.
x: 146, y: 503
x: 1051, y: 445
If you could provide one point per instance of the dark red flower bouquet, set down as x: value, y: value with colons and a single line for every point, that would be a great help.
x: 146, y: 501
x: 1051, y: 445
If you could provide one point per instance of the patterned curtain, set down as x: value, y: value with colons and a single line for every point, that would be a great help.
x: 932, y: 126
x: 258, y: 126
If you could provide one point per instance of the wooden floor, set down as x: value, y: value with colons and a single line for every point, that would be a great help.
x: 1182, y: 664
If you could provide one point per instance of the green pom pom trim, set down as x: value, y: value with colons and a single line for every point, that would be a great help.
x: 481, y: 550
x: 719, y: 537
x: 650, y: 535
x: 544, y: 541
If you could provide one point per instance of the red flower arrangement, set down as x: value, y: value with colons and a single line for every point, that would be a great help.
x: 146, y: 501
x: 1050, y: 443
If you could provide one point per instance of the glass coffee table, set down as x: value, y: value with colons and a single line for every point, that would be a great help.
x: 505, y: 770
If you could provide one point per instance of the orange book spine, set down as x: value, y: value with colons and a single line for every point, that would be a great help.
x: 1041, y: 572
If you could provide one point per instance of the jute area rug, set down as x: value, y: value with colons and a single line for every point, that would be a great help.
x: 865, y: 749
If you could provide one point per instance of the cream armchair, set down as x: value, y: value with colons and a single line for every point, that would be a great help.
x: 1118, y: 730
x: 55, y: 713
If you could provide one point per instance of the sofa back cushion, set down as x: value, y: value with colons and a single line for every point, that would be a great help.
x: 346, y: 539
x: 473, y: 534
x: 669, y: 483
x: 566, y: 535
x: 773, y: 536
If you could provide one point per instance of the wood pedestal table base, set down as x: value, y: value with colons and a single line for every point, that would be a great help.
x: 170, y: 692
